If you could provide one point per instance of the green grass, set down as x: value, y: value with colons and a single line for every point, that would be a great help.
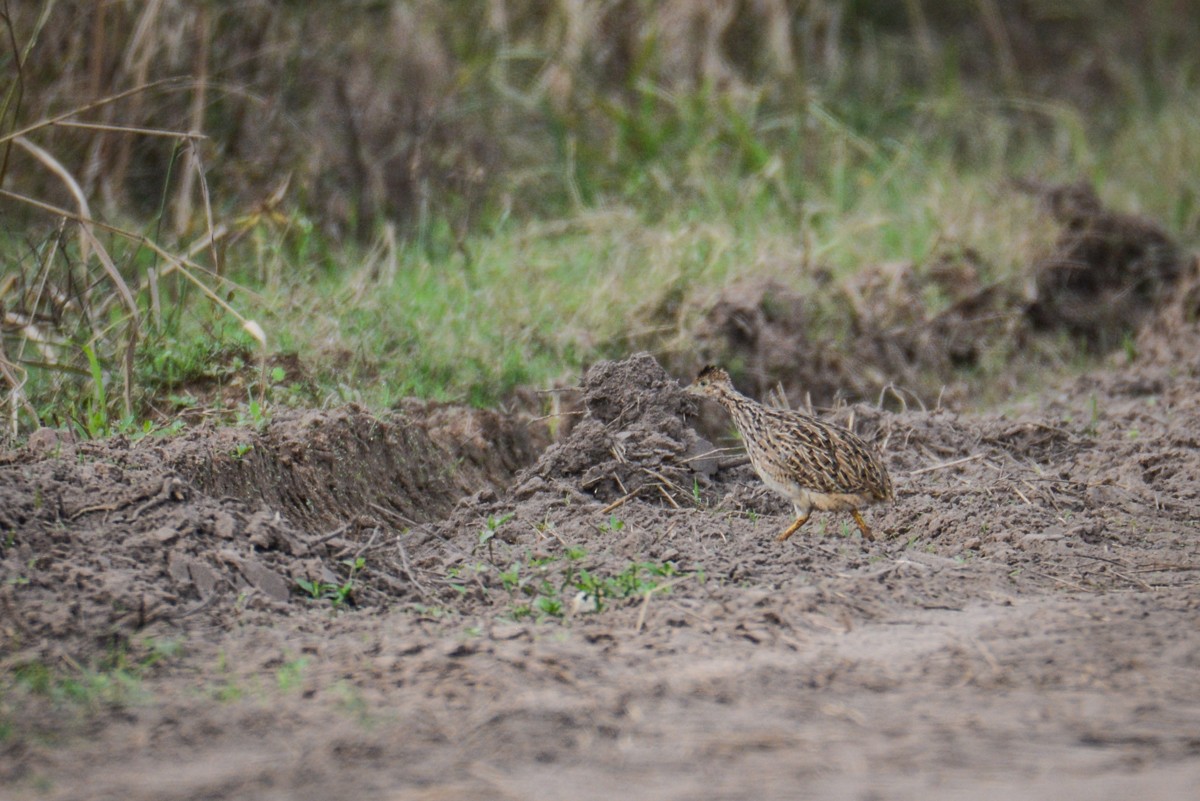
x: 557, y: 587
x: 534, y: 303
x: 700, y: 192
x: 72, y: 692
x: 530, y: 302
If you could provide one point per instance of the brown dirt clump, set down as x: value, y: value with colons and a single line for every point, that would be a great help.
x: 634, y: 439
x: 903, y: 327
x: 1172, y: 335
x: 1108, y: 272
x: 118, y: 536
x: 764, y: 331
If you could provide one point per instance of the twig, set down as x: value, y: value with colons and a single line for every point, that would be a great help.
x: 327, y: 537
x: 945, y: 465
x: 1163, y: 568
x: 666, y: 585
x: 707, y: 454
x: 667, y: 495
x: 556, y: 414
x: 620, y: 501
x: 408, y: 521
x: 408, y: 569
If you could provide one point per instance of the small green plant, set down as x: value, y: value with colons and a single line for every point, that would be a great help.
x: 1094, y: 415
x: 336, y: 594
x: 241, y: 449
x: 114, y: 681
x: 96, y: 420
x: 255, y: 414
x: 613, y: 523
x: 1129, y: 346
x: 290, y: 673
x: 491, y: 526
x: 555, y: 587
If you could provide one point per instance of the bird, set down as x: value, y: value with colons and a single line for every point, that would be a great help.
x: 812, y: 463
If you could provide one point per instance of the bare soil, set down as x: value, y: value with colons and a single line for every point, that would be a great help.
x: 609, y: 613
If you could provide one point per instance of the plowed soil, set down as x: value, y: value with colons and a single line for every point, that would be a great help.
x: 440, y: 603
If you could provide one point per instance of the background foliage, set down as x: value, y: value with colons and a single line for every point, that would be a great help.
x: 456, y: 198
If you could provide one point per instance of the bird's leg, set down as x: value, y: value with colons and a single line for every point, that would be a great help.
x: 793, y: 528
x: 862, y: 525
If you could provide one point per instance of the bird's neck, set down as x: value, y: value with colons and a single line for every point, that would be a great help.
x: 740, y: 407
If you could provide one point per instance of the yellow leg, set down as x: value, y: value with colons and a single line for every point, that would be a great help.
x: 792, y: 529
x: 862, y: 525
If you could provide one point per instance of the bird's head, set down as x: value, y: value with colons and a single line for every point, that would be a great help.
x: 712, y: 382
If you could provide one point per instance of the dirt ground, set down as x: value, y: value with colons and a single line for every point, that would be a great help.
x: 447, y: 604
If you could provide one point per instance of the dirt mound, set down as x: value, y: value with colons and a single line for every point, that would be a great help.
x: 320, y: 468
x: 109, y: 538
x: 902, y: 331
x: 1108, y: 272
x: 776, y: 338
x: 764, y: 330
x: 633, y: 441
x: 105, y: 540
x: 914, y: 326
x: 1172, y: 335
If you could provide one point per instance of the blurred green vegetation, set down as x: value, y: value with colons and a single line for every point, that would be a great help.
x: 452, y: 200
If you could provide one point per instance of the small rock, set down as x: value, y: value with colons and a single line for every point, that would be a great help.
x: 204, y: 577
x: 1051, y: 535
x: 50, y: 442
x: 224, y: 526
x: 165, y: 535
x: 702, y: 457
x: 265, y: 579
x: 510, y: 631
x: 178, y: 567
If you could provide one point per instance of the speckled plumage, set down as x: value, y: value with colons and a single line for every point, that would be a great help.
x: 814, y: 464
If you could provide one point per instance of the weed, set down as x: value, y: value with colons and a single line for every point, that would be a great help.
x: 114, y: 682
x: 290, y: 673
x: 337, y: 594
x: 554, y: 587
x: 613, y: 523
x: 1094, y: 416
x: 241, y: 449
x: 491, y: 526
x: 255, y: 413
x: 435, y: 612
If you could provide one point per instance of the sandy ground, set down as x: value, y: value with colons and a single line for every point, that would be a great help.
x: 1027, y: 629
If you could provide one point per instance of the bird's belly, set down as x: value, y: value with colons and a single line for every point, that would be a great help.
x: 805, y: 498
